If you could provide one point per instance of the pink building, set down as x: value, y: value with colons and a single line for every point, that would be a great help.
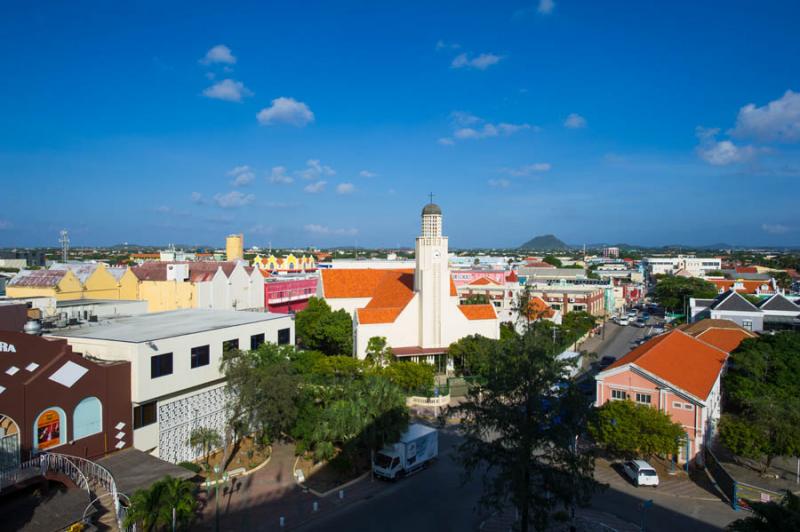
x: 465, y: 277
x: 677, y: 374
x: 286, y: 294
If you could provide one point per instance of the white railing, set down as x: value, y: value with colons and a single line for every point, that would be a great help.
x: 85, y: 474
x: 442, y: 400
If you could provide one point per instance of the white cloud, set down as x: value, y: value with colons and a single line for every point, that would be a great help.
x: 546, y: 7
x: 5, y: 224
x: 446, y: 141
x: 779, y: 120
x: 575, y: 121
x: 499, y: 183
x: 528, y: 169
x: 463, y: 118
x: 318, y: 229
x: 233, y: 199
x: 480, y: 62
x: 722, y: 152
x: 489, y: 130
x: 775, y: 229
x: 442, y: 45
x: 367, y: 173
x: 286, y: 111
x: 242, y: 175
x: 219, y: 54
x: 278, y: 175
x: 314, y: 170
x: 198, y: 198
x: 228, y: 90
x: 345, y: 188
x: 315, y: 187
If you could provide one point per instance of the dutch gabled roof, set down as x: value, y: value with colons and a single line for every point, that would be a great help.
x: 733, y: 302
x: 723, y: 334
x: 478, y: 312
x: 679, y: 359
x: 483, y: 281
x: 779, y: 303
x: 37, y: 278
x: 746, y: 286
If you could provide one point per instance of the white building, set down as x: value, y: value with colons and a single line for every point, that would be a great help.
x: 176, y: 383
x: 695, y: 266
x: 416, y: 310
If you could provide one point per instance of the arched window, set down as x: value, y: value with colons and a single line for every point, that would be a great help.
x: 50, y: 429
x: 88, y: 418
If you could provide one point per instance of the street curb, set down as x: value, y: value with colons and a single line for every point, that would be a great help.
x: 332, y: 490
x: 209, y: 484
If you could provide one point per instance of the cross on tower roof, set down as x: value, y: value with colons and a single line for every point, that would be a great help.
x: 431, y: 196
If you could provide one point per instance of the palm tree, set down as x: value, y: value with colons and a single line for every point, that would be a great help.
x: 207, y: 438
x: 144, y: 508
x: 783, y: 516
x: 179, y: 495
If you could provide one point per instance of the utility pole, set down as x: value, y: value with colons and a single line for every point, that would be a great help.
x: 63, y: 239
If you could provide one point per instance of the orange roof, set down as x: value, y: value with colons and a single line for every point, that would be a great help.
x: 680, y: 359
x: 748, y: 287
x: 453, y: 291
x: 512, y: 277
x: 478, y: 312
x: 746, y: 269
x: 395, y: 289
x: 725, y: 339
x: 352, y: 283
x: 538, y: 308
x: 484, y: 281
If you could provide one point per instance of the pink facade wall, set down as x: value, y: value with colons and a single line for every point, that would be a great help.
x: 289, y: 295
x: 631, y: 383
x: 464, y: 277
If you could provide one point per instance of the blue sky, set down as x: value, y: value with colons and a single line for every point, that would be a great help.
x: 327, y: 123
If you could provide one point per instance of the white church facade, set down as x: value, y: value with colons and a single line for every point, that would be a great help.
x: 417, y: 311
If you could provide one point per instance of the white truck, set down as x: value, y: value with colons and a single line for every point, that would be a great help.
x: 416, y: 448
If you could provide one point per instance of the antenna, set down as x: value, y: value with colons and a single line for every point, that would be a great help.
x: 63, y: 239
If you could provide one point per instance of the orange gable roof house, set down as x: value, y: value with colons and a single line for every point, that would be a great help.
x: 679, y: 373
x: 417, y: 311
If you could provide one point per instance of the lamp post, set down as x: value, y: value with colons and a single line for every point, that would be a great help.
x: 216, y: 492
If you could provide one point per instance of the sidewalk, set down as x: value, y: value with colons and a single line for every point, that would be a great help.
x: 257, y: 502
x: 586, y: 519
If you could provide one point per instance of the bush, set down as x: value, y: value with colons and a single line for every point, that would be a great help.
x: 191, y: 466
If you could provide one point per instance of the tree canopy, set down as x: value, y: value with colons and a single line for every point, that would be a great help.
x: 673, y: 292
x: 762, y: 398
x: 151, y: 508
x: 320, y: 328
x: 631, y: 430
x: 773, y: 516
x: 552, y: 260
x: 521, y: 425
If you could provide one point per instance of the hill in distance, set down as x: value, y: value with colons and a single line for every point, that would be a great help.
x: 544, y: 243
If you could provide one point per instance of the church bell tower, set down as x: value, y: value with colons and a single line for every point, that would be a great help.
x: 432, y: 276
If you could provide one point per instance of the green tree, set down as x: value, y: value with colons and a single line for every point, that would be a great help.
x: 630, y: 430
x: 378, y: 351
x: 553, y: 260
x: 673, y: 292
x: 783, y: 280
x: 472, y: 355
x: 530, y: 460
x: 477, y: 299
x: 321, y: 329
x: 205, y: 438
x: 151, y: 508
x: 782, y: 516
x: 410, y: 376
x: 264, y: 388
x: 762, y: 398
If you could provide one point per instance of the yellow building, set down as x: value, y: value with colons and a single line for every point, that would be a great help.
x: 234, y: 247
x: 63, y: 285
x: 287, y: 264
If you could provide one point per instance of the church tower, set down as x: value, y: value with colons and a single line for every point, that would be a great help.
x: 432, y: 277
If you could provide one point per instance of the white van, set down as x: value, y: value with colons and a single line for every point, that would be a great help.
x: 642, y: 473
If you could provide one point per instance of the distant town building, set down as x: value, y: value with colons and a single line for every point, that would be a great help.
x: 694, y: 266
x: 287, y: 264
x: 611, y: 252
x: 417, y: 311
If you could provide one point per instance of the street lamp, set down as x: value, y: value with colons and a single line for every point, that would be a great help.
x: 216, y: 493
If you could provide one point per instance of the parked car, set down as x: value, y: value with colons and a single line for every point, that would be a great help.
x: 623, y: 321
x: 645, y: 316
x: 632, y: 313
x: 641, y: 473
x: 639, y: 323
x: 606, y: 361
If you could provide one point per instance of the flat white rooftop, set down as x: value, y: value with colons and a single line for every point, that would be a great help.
x: 160, y: 325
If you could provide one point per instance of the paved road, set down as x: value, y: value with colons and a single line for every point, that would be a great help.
x: 434, y: 500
